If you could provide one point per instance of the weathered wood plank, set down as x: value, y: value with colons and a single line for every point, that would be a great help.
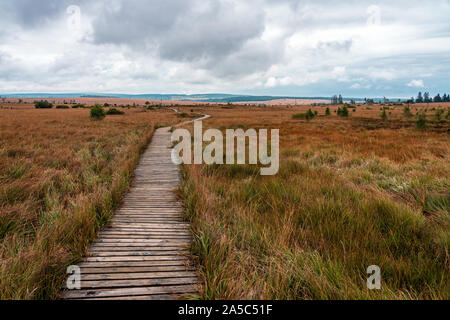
x: 103, y: 270
x: 138, y: 283
x: 137, y: 275
x: 135, y: 258
x: 124, y: 292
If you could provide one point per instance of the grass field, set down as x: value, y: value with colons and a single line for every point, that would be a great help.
x: 351, y: 192
x: 61, y: 175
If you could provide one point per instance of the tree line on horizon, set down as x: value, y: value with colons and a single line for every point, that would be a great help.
x: 426, y: 98
x: 421, y: 98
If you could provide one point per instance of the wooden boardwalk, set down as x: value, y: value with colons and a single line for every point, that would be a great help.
x: 142, y: 253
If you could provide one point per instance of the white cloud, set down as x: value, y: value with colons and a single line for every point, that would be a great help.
x: 416, y: 84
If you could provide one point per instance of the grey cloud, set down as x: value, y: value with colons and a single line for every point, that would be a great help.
x: 256, y: 56
x: 32, y: 13
x: 180, y: 30
x: 135, y: 22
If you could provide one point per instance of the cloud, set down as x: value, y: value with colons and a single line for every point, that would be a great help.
x: 416, y: 84
x: 181, y: 30
x: 265, y: 46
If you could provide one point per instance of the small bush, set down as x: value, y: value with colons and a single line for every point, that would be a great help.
x: 327, y: 112
x: 343, y: 112
x: 76, y: 106
x: 438, y: 114
x: 114, y: 111
x: 384, y: 116
x: 407, y: 111
x: 308, y: 115
x: 421, y: 121
x: 97, y: 112
x: 43, y: 105
x: 62, y: 107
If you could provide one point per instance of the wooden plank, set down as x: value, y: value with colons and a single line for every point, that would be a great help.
x: 137, y: 275
x: 80, y: 294
x: 119, y: 264
x: 141, y: 232
x: 137, y: 253
x: 135, y: 258
x: 138, y: 283
x: 160, y: 297
x: 149, y: 246
x: 143, y: 236
x: 136, y: 249
x: 150, y: 225
x: 135, y: 269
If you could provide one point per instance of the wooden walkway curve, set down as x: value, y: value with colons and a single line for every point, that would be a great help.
x: 142, y: 253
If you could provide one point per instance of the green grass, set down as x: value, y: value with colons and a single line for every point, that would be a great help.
x: 308, y: 234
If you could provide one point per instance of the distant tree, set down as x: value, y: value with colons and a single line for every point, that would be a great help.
x: 334, y: 100
x: 426, y: 97
x: 437, y: 98
x: 341, y: 100
x: 419, y: 98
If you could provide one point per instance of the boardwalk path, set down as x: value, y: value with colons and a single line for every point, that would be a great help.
x: 141, y: 254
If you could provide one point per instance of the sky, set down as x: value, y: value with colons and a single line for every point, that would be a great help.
x: 261, y: 47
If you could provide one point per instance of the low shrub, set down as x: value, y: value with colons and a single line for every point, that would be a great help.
x: 114, y: 111
x: 43, y: 105
x: 407, y: 111
x: 97, y: 112
x: 62, y: 107
x: 343, y: 112
x: 421, y: 121
x: 438, y: 114
x: 308, y: 115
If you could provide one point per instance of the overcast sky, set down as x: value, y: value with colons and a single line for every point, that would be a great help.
x: 274, y: 47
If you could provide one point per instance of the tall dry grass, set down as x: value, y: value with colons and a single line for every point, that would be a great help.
x: 61, y: 176
x: 350, y: 193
